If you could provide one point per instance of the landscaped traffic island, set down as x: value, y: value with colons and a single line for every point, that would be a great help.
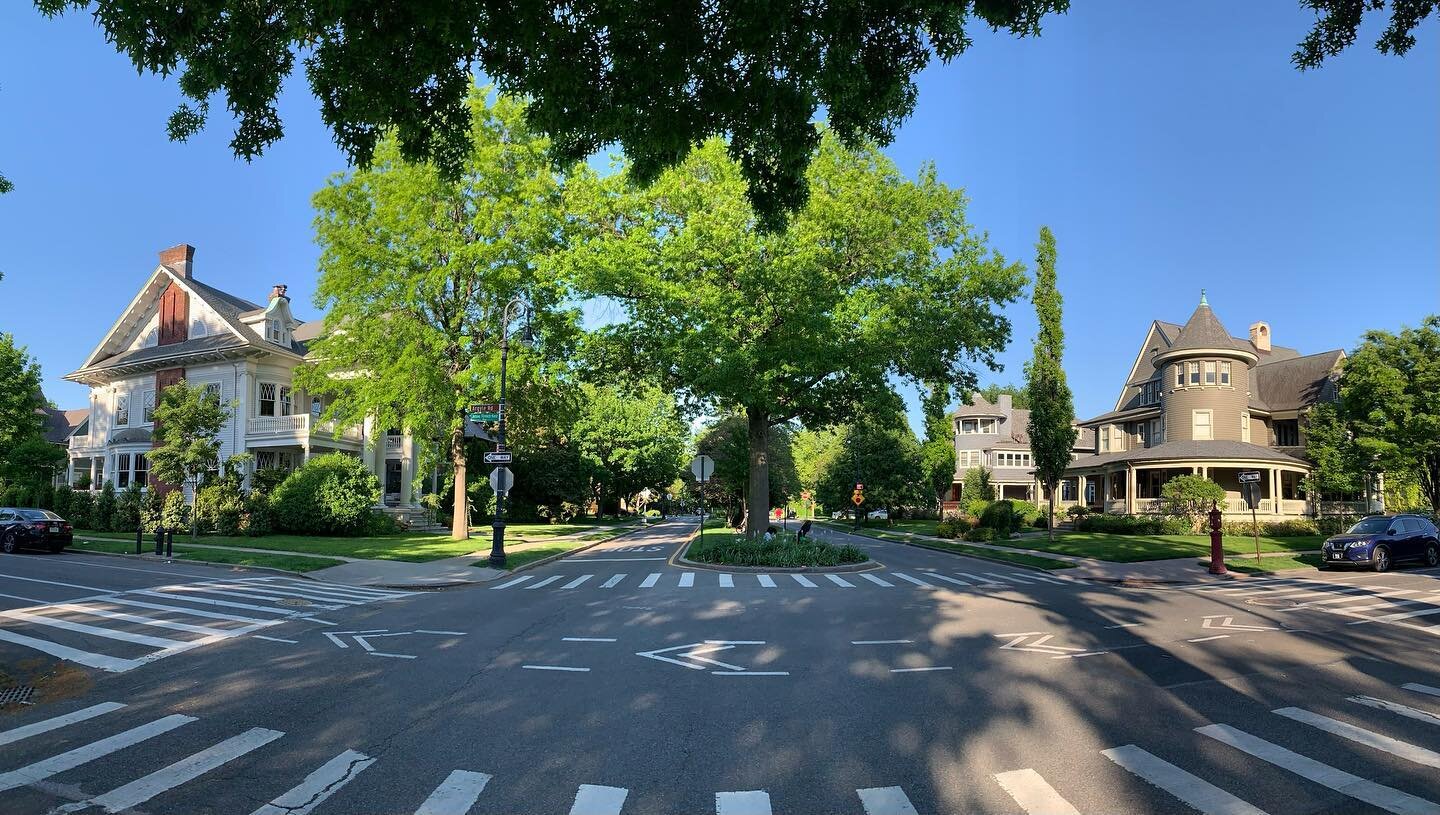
x: 724, y: 547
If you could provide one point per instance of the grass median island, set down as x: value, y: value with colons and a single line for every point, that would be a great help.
x: 728, y: 548
x: 1018, y: 558
x: 290, y: 563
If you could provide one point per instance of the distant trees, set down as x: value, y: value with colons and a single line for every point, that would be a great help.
x: 937, y: 453
x: 1019, y: 396
x: 26, y: 458
x: 628, y: 440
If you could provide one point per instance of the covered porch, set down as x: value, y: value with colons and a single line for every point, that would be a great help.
x: 1133, y: 487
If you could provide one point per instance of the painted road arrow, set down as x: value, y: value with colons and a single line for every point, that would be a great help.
x: 1228, y: 624
x: 694, y: 654
x: 362, y: 639
x: 1036, y: 642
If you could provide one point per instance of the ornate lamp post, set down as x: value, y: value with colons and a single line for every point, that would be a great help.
x: 512, y: 311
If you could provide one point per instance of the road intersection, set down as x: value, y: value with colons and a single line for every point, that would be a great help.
x: 998, y: 689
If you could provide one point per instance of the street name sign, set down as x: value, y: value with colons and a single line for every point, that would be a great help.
x: 501, y: 479
x: 484, y: 413
x: 499, y: 457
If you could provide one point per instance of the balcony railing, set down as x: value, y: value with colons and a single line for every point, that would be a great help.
x: 296, y: 426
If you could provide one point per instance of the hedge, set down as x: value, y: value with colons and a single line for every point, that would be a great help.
x: 329, y: 495
x: 1133, y: 525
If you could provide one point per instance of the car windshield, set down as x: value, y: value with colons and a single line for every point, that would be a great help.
x: 1370, y: 526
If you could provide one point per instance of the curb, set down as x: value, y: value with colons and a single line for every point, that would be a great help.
x: 679, y: 559
x: 560, y: 555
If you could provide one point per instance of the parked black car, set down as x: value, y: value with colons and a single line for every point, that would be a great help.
x: 33, y: 528
x: 1380, y: 541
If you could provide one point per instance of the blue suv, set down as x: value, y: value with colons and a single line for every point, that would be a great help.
x: 1380, y: 541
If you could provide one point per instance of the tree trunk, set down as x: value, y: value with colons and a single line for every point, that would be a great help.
x: 1051, y: 525
x: 460, y: 518
x: 758, y: 514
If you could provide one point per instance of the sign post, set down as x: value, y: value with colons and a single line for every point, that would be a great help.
x: 1250, y: 489
x: 702, y: 467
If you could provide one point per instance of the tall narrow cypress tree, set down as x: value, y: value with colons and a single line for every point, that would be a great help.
x: 1052, y: 410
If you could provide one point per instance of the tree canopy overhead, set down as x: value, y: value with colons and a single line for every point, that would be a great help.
x: 656, y: 78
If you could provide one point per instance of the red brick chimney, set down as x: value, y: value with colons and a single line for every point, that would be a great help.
x: 181, y: 258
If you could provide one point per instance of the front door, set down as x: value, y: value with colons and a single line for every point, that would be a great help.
x: 392, y: 481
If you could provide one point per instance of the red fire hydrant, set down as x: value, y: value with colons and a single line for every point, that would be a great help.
x: 1217, y: 551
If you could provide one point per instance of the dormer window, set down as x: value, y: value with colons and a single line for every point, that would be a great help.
x: 274, y: 331
x: 978, y: 426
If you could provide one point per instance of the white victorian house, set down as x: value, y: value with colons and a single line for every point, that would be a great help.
x: 179, y: 328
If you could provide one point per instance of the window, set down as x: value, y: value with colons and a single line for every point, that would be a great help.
x: 1224, y: 373
x: 1200, y: 429
x: 265, y: 460
x: 213, y: 388
x: 1245, y: 427
x: 1194, y: 373
x: 317, y: 407
x: 1142, y: 432
x: 273, y: 331
x: 1011, y: 459
x: 142, y: 470
x: 122, y: 471
x: 1067, y: 490
x: 1105, y: 439
x: 1150, y: 393
x: 122, y: 409
x: 1209, y: 372
x: 1287, y: 432
x: 285, y: 400
x: 1156, y: 435
x: 970, y: 458
x: 267, y: 399
x: 198, y: 328
x: 973, y: 426
x: 148, y: 406
x: 1179, y: 375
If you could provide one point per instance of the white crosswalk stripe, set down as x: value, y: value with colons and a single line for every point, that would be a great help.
x: 324, y: 782
x: 877, y: 581
x: 456, y: 794
x: 727, y: 581
x: 1034, y: 794
x: 1360, y: 735
x: 650, y: 581
x: 187, y: 769
x: 687, y: 580
x: 926, y: 579
x: 766, y: 580
x: 804, y: 581
x: 1198, y: 793
x: 70, y: 759
x: 612, y: 582
x: 885, y: 801
x: 751, y: 802
x: 591, y: 799
x: 547, y: 581
x: 170, y: 619
x: 57, y: 722
x: 577, y: 581
x: 1393, y: 707
x: 908, y: 579
x: 840, y: 581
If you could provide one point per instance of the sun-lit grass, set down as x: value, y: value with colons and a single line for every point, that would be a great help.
x: 785, y: 550
x: 1135, y: 548
x: 230, y: 557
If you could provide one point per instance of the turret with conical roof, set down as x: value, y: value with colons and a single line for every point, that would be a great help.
x: 1206, y: 376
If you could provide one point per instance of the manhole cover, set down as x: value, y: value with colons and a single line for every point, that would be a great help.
x: 292, y: 601
x: 1278, y: 602
x: 16, y: 694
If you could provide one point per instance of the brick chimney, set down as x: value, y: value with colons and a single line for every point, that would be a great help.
x: 279, y: 291
x: 181, y: 258
x: 1260, y: 336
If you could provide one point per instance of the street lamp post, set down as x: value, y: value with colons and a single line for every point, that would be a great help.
x: 513, y: 310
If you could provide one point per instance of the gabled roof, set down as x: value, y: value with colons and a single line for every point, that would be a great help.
x: 228, y: 306
x: 213, y: 342
x: 1291, y: 384
x: 59, y: 424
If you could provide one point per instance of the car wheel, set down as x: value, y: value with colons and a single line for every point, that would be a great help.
x: 8, y: 543
x: 1382, y: 558
x: 1432, y: 555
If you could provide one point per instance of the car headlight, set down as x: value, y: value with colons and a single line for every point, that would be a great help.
x: 1357, y: 544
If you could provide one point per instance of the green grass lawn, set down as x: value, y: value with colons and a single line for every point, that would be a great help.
x: 734, y: 549
x: 1272, y: 563
x: 1135, y: 548
x: 412, y: 547
x: 288, y: 562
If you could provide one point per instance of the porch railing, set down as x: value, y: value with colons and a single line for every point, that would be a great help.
x: 295, y: 426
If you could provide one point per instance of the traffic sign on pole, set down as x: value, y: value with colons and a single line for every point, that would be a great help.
x: 484, y: 413
x: 499, y: 457
x: 1249, y: 476
x: 501, y: 480
x: 703, y: 467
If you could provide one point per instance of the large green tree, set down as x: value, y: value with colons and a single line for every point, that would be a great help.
x: 25, y: 455
x: 937, y: 454
x: 727, y: 441
x: 879, y: 450
x: 1390, y: 393
x: 1337, y: 466
x: 188, y: 421
x: 655, y: 78
x: 416, y: 270
x: 629, y: 440
x: 1052, y: 409
x: 815, y: 450
x: 878, y: 276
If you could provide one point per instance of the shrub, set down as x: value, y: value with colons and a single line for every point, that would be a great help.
x: 1042, y: 522
x: 1176, y: 526
x: 1025, y: 513
x: 1294, y: 528
x: 976, y: 506
x: 64, y: 499
x: 127, y: 509
x: 105, y: 506
x: 1190, y: 496
x: 82, y: 482
x: 329, y: 495
x: 1126, y: 525
x: 220, y: 508
x: 45, y: 496
x: 82, y: 510
x: 258, y: 520
x: 1078, y: 511
x: 268, y: 479
x: 964, y: 523
x: 980, y: 534
x: 945, y: 529
x: 175, y: 513
x: 1000, y: 516
x: 152, y: 505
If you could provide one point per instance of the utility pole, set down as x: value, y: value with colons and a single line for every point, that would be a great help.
x: 497, y: 546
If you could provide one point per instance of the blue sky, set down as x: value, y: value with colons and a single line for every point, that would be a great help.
x: 1169, y: 145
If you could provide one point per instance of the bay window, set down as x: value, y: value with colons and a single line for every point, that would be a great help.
x: 1194, y: 373
x: 122, y: 471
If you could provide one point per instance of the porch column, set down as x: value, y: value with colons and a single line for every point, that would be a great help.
x: 93, y: 474
x: 1130, y: 489
x: 69, y: 470
x: 1275, y: 505
x: 1080, y: 490
x: 407, y: 468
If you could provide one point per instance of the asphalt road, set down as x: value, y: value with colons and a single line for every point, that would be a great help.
x: 615, y: 682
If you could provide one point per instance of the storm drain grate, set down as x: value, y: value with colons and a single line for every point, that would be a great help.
x: 16, y: 695
x: 292, y: 601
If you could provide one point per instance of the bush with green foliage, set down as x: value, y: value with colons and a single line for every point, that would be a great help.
x: 82, y: 510
x: 267, y: 479
x: 1190, y: 496
x: 1026, y: 513
x: 1292, y: 528
x: 127, y: 509
x: 258, y: 520
x: 220, y: 508
x: 1078, y: 511
x: 1007, y: 516
x: 945, y: 529
x: 1111, y: 524
x: 977, y: 486
x: 980, y: 534
x: 329, y: 495
x: 64, y: 497
x: 175, y: 512
x: 784, y: 550
x: 105, y: 507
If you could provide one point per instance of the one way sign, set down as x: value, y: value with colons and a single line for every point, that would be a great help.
x: 499, y: 457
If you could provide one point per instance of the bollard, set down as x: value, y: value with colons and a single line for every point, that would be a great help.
x: 170, y: 543
x: 160, y: 540
x: 139, y: 539
x: 1217, y: 549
